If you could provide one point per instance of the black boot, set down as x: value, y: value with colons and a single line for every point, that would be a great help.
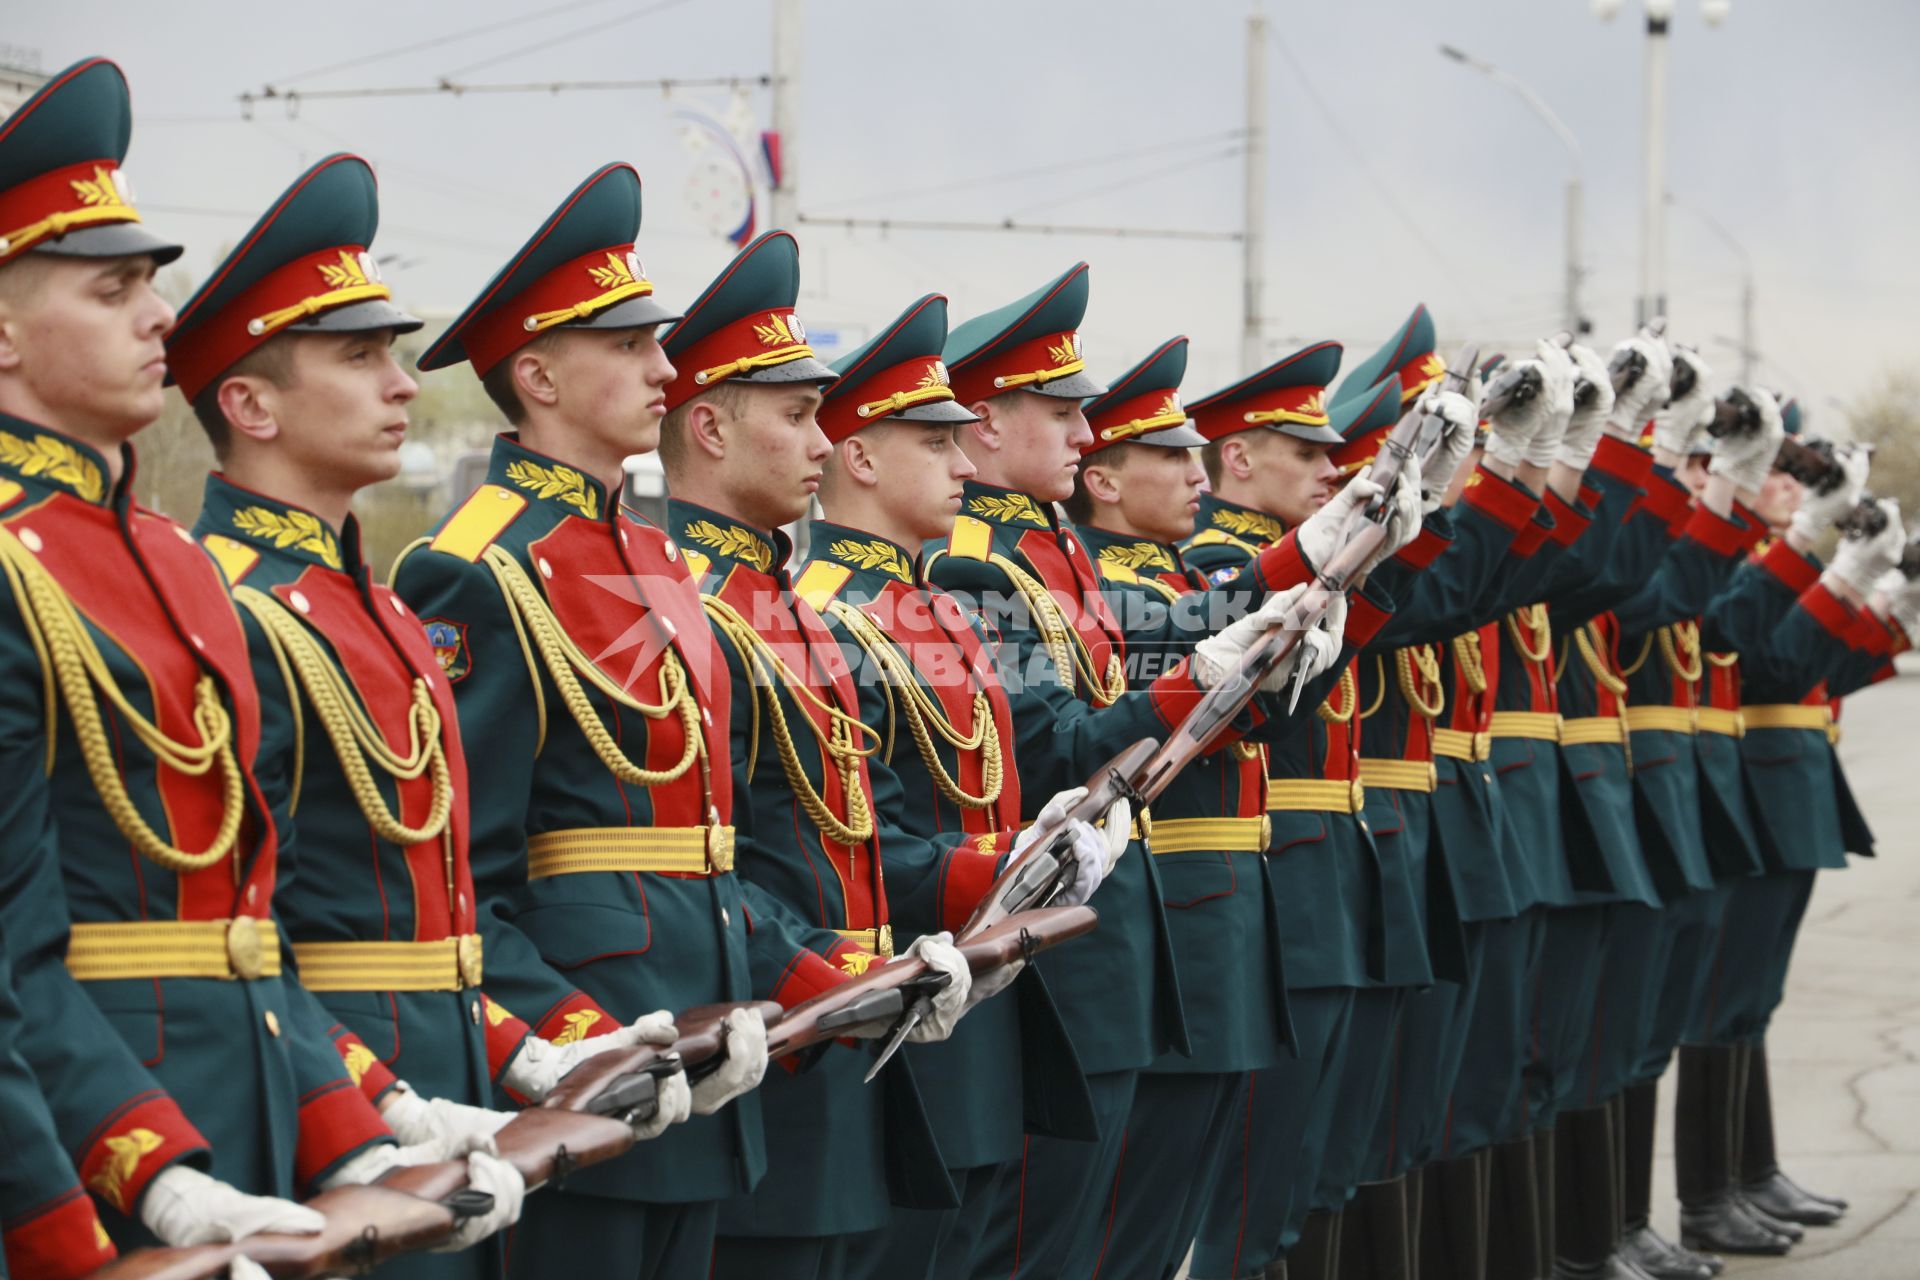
x: 1374, y: 1241
x: 1513, y: 1213
x: 1587, y: 1199
x: 1712, y: 1216
x: 1639, y: 1242
x: 1317, y: 1255
x: 1545, y: 1174
x: 1274, y: 1270
x: 1761, y: 1182
x: 1453, y: 1218
x: 1416, y: 1187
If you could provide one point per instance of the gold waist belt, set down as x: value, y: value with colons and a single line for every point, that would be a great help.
x: 1316, y: 795
x: 1787, y: 716
x: 879, y: 941
x: 1582, y: 729
x: 1672, y: 719
x: 1211, y: 835
x: 445, y: 964
x: 1541, y: 725
x: 1397, y: 775
x: 1458, y: 744
x: 688, y: 850
x: 1717, y: 720
x: 246, y: 947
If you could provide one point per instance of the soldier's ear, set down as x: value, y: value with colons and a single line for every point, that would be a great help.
x: 1100, y: 484
x: 704, y: 433
x: 532, y: 371
x: 1235, y: 458
x: 247, y: 403
x: 857, y: 461
x: 986, y: 427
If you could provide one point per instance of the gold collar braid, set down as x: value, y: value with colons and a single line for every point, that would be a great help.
x: 1063, y: 644
x: 566, y: 663
x: 923, y: 710
x: 838, y: 744
x: 72, y: 661
x: 356, y: 739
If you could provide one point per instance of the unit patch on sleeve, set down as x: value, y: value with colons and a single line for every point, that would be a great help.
x: 449, y: 641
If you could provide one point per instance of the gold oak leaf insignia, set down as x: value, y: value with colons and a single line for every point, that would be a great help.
x: 54, y: 458
x: 613, y: 275
x: 344, y: 274
x: 578, y: 1024
x: 561, y: 483
x: 496, y: 1013
x: 774, y: 333
x: 1140, y: 555
x: 97, y: 190
x: 935, y: 376
x: 124, y: 1154
x: 856, y: 962
x: 1007, y: 508
x: 734, y: 542
x: 1064, y: 353
x: 359, y: 1060
x: 873, y: 555
x: 101, y: 1240
x: 1247, y: 523
x: 292, y: 529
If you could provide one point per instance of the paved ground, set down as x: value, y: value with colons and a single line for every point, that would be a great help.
x: 1845, y: 1049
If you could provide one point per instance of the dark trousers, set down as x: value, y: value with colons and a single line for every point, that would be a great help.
x: 1633, y: 962
x: 849, y: 1257
x: 1428, y: 1050
x: 1276, y: 1130
x: 1366, y: 1071
x: 598, y: 1238
x: 1755, y: 946
x: 945, y: 1244
x: 1049, y: 1210
x: 1489, y: 1104
x: 1562, y: 1015
x: 1693, y: 927
x: 1175, y: 1138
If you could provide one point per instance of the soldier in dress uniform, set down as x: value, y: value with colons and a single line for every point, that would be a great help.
x: 190, y: 1083
x: 743, y: 454
x: 48, y: 1224
x: 1134, y: 500
x: 601, y: 818
x: 1267, y: 458
x: 947, y: 785
x: 285, y: 355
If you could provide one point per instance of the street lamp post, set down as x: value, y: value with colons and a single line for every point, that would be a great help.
x: 1576, y: 322
x: 1749, y: 350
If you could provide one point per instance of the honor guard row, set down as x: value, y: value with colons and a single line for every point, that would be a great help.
x: 316, y: 889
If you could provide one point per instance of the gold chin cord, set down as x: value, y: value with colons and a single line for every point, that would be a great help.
x: 357, y: 741
x: 838, y: 744
x: 925, y: 716
x: 74, y: 667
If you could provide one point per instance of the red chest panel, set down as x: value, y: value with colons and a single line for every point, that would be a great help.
x: 623, y: 601
x: 162, y: 604
x: 1063, y: 568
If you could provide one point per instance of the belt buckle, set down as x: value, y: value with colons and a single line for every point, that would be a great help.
x: 883, y: 941
x: 1356, y: 795
x: 467, y: 955
x: 245, y: 954
x: 1266, y: 832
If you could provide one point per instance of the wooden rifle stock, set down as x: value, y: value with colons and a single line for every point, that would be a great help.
x: 1018, y: 937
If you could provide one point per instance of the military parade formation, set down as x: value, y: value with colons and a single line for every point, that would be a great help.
x: 1399, y: 762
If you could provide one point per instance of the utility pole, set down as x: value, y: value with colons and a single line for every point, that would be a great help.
x: 782, y: 207
x: 1653, y: 198
x: 1253, y: 240
x: 1748, y: 352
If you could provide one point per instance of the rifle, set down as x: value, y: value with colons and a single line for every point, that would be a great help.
x: 366, y: 1225
x: 1627, y: 367
x: 1910, y: 558
x: 1867, y: 519
x: 886, y: 992
x: 624, y: 1082
x: 1813, y: 463
x: 1521, y: 383
x: 1144, y: 770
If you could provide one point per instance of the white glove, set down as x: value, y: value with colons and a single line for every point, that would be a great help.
x: 1747, y: 460
x: 1096, y: 849
x: 1677, y: 426
x: 941, y: 956
x: 1903, y: 606
x: 1456, y: 442
x: 376, y: 1162
x: 743, y: 1067
x: 1531, y: 430
x: 1818, y: 512
x: 540, y: 1064
x: 1860, y: 561
x: 245, y: 1268
x: 1320, y: 646
x: 184, y: 1206
x: 1405, y: 510
x: 1216, y: 655
x: 1587, y: 423
x: 1322, y: 533
x: 1635, y: 404
x: 416, y: 1120
x: 672, y: 1104
x: 499, y: 1179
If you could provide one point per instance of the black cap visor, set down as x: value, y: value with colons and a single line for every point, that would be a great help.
x: 110, y: 240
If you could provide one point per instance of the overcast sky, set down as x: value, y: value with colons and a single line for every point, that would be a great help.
x: 1395, y: 176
